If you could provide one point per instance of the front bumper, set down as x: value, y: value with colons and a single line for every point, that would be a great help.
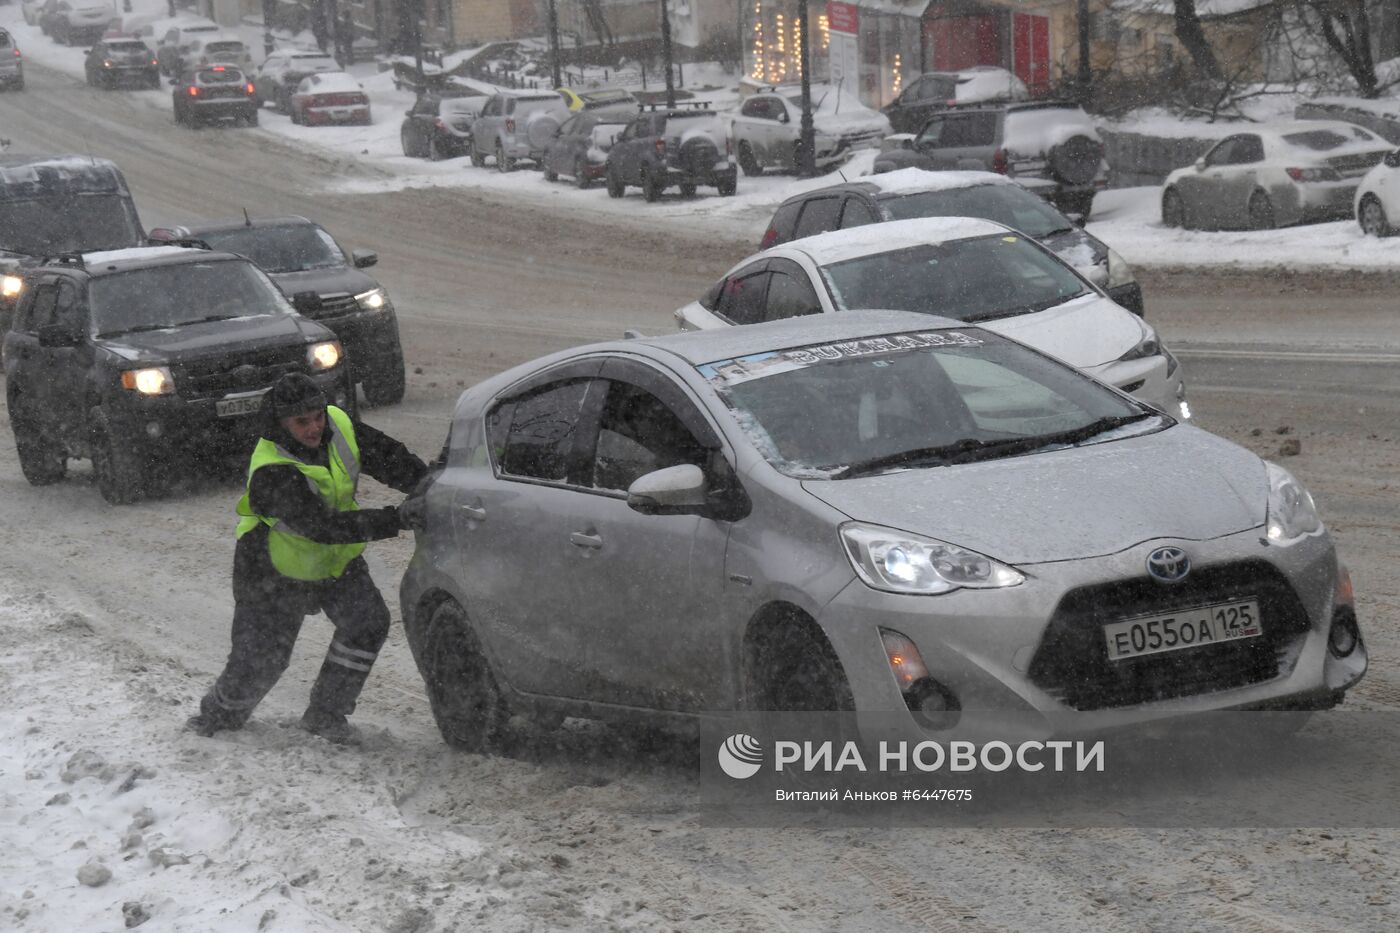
x: 1038, y: 651
x: 370, y: 338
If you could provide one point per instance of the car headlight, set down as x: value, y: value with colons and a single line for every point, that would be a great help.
x: 153, y: 380
x: 1119, y: 272
x: 899, y: 562
x: 11, y: 285
x: 376, y: 299
x: 1292, y: 514
x: 323, y: 356
x: 1148, y: 346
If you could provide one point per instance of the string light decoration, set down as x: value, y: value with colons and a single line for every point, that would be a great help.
x: 897, y: 75
x: 760, y: 56
x: 824, y: 27
x: 797, y: 44
x: 778, y: 70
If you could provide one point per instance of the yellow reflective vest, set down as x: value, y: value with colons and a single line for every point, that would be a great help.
x: 294, y: 556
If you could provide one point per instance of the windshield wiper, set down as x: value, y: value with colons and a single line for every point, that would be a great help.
x: 1031, y: 308
x: 146, y: 328
x: 973, y: 449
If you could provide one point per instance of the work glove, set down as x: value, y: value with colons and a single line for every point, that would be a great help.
x: 413, y: 514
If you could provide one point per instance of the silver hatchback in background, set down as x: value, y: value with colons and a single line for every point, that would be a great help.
x: 876, y: 512
x: 11, y: 63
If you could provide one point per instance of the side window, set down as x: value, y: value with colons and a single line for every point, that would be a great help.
x: 931, y: 136
x: 790, y: 295
x: 638, y: 434
x: 69, y: 310
x: 742, y: 298
x: 754, y: 107
x: 785, y: 219
x: 1223, y: 153
x: 855, y: 214
x: 543, y: 426
x: 41, y: 309
x: 1248, y: 149
x: 819, y: 216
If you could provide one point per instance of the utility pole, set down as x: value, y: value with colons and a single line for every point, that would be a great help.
x: 267, y: 8
x: 666, y: 53
x: 807, y: 137
x: 554, y: 42
x: 1085, y: 78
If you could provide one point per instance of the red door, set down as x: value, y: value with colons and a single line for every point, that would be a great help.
x: 1030, y: 50
x: 962, y: 41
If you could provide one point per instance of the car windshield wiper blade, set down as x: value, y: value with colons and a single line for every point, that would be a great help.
x: 146, y: 328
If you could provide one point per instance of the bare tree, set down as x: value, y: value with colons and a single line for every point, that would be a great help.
x: 1193, y: 39
x: 1347, y: 30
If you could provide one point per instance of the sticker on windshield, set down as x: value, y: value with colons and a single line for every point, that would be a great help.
x: 736, y: 371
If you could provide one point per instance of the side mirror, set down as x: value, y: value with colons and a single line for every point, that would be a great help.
x: 677, y: 490
x: 1201, y: 164
x: 306, y: 302
x: 160, y: 236
x: 363, y: 258
x: 784, y: 118
x: 57, y: 335
x: 1392, y: 159
x: 87, y: 51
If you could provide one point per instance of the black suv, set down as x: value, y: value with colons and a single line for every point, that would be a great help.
x: 660, y: 148
x: 1050, y: 147
x: 131, y: 356
x: 308, y: 264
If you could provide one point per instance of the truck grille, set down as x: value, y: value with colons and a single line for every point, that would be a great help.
x: 333, y: 306
x: 1072, y: 663
x: 237, y: 372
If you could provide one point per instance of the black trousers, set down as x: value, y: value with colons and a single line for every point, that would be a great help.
x: 265, y: 629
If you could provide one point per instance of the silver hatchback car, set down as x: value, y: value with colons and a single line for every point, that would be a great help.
x: 872, y: 511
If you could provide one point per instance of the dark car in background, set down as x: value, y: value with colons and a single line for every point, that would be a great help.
x: 440, y: 124
x: 215, y: 92
x: 685, y: 147
x: 133, y: 357
x: 53, y: 204
x: 913, y: 192
x: 580, y: 148
x: 301, y: 258
x: 11, y: 63
x: 114, y: 61
x: 279, y: 74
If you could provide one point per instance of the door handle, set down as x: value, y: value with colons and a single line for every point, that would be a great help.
x: 579, y: 539
x: 475, y: 512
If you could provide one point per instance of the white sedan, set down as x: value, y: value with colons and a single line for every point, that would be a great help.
x: 1378, y: 197
x: 967, y: 269
x: 1271, y: 176
x: 767, y: 128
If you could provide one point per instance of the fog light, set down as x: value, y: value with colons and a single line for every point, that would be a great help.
x: 153, y: 429
x: 933, y: 705
x: 905, y: 661
x: 1185, y: 411
x: 1345, y: 634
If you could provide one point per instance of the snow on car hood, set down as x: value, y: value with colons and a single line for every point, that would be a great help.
x: 1084, y: 332
x: 214, y: 338
x: 1069, y: 504
x: 324, y: 281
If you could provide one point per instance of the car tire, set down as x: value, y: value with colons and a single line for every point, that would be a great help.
x: 1174, y: 210
x: 42, y: 462
x: 478, y: 159
x: 794, y: 668
x: 616, y: 188
x: 688, y: 190
x: 747, y: 160
x: 117, y: 470
x: 387, y: 386
x: 1076, y: 161
x: 251, y: 118
x: 406, y: 143
x: 1371, y: 216
x: 436, y: 152
x: 463, y: 693
x: 549, y: 173
x: 1261, y: 212
x: 504, y: 163
x: 728, y: 187
x: 651, y: 189
x: 581, y: 180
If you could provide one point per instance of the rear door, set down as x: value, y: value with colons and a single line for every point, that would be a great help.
x: 743, y: 295
x: 1239, y: 178
x: 790, y: 292
x: 819, y: 215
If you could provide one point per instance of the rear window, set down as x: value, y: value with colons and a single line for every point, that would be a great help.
x: 1320, y: 140
x: 678, y: 123
x: 224, y: 47
x: 219, y: 76
x: 4, y: 39
x: 130, y: 45
x: 535, y: 105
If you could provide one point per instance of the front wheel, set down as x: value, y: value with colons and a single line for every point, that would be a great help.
x: 1372, y: 218
x: 616, y: 188
x: 581, y: 179
x: 796, y: 669
x: 116, y: 465
x: 386, y: 387
x: 41, y: 461
x: 550, y: 174
x: 463, y: 693
x: 436, y: 151
x: 1173, y: 210
x: 747, y: 161
x: 406, y: 144
x: 1261, y: 212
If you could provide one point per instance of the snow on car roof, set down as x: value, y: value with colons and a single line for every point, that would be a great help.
x: 334, y: 81
x: 135, y: 252
x: 917, y: 180
x: 839, y: 245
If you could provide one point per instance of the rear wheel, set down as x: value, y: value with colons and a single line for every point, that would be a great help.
x: 116, y: 465
x: 549, y: 173
x: 1173, y: 210
x: 747, y: 161
x: 581, y: 179
x: 651, y: 188
x: 1371, y: 216
x: 728, y: 187
x: 42, y: 462
x: 1261, y: 212
x: 406, y: 143
x: 616, y: 188
x: 465, y: 698
x: 251, y: 117
x: 688, y: 190
x: 504, y: 163
x: 478, y: 159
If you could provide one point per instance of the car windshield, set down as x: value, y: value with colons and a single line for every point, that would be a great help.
x: 910, y: 400
x: 159, y: 297
x: 1011, y: 205
x: 1317, y: 140
x: 67, y: 224
x: 970, y: 280
x: 288, y: 248
x: 528, y: 106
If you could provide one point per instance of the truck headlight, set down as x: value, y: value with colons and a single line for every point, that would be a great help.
x: 1292, y: 514
x: 899, y: 562
x: 11, y: 285
x: 1119, y: 272
x: 153, y: 380
x: 376, y: 299
x: 324, y: 356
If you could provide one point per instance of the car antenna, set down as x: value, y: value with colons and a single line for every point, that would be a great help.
x: 843, y: 176
x: 247, y: 221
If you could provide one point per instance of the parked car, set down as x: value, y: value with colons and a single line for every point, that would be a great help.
x: 11, y: 62
x: 1274, y: 175
x: 913, y: 192
x: 170, y: 49
x: 74, y: 22
x: 440, y: 125
x: 134, y: 356
x: 515, y: 125
x: 304, y: 260
x: 767, y: 128
x: 956, y: 267
x: 1051, y: 147
x: 215, y: 92
x: 329, y: 97
x: 599, y: 98
x: 875, y: 513
x: 686, y: 147
x: 580, y: 149
x: 113, y: 61
x: 1378, y: 197
x: 936, y: 91
x: 216, y: 49
x: 280, y: 73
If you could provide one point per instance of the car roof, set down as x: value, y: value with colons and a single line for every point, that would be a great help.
x: 145, y: 257
x: 525, y: 94
x: 220, y: 226
x: 908, y: 181
x: 1303, y: 126
x: 840, y: 245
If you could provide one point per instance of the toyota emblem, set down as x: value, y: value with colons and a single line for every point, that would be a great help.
x: 244, y: 374
x: 1168, y: 564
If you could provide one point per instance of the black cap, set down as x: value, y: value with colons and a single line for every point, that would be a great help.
x: 294, y: 394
